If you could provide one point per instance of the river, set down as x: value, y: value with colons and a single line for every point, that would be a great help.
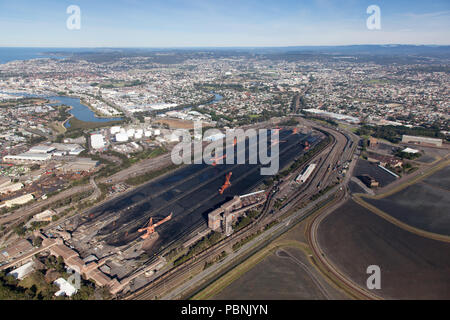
x: 79, y: 110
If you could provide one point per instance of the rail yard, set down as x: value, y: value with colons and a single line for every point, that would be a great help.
x: 149, y: 242
x: 338, y: 152
x: 224, y: 161
x: 135, y: 233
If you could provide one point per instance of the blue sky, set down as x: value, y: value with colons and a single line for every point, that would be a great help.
x: 179, y: 23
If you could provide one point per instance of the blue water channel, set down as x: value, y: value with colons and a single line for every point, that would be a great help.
x: 79, y: 110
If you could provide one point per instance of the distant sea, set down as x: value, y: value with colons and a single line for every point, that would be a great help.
x: 11, y: 54
x: 25, y: 53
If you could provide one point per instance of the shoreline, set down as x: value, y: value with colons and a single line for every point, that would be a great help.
x: 96, y: 115
x: 95, y: 111
x: 66, y: 121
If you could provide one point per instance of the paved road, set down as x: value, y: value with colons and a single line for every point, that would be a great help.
x: 97, y: 192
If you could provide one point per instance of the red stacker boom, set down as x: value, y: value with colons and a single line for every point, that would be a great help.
x: 150, y: 227
x: 227, y: 183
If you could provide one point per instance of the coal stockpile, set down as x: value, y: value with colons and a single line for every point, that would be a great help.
x: 190, y: 193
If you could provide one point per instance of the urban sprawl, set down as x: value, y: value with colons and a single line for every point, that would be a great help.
x: 81, y: 130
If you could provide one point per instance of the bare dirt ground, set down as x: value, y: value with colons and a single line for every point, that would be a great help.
x: 412, y: 267
x: 287, y: 273
x: 440, y: 178
x: 422, y: 205
x: 283, y: 275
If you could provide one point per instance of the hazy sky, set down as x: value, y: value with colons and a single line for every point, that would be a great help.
x: 177, y: 23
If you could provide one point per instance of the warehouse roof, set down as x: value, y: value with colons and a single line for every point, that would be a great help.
x: 29, y: 156
x: 41, y: 149
x: 21, y: 272
x: 63, y: 251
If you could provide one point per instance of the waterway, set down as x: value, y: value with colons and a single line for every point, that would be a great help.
x: 8, y: 54
x: 19, y: 54
x: 217, y: 98
x: 79, y: 110
x: 82, y: 112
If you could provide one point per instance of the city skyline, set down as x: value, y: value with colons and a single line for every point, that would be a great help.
x: 178, y: 23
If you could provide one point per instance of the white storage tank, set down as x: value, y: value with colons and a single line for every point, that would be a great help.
x: 121, y: 137
x: 130, y: 132
x: 97, y: 141
x: 115, y: 129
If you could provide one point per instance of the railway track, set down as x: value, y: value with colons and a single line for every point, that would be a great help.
x: 269, y: 203
x: 158, y: 286
x: 321, y: 174
x: 141, y: 220
x: 312, y: 230
x: 174, y: 242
